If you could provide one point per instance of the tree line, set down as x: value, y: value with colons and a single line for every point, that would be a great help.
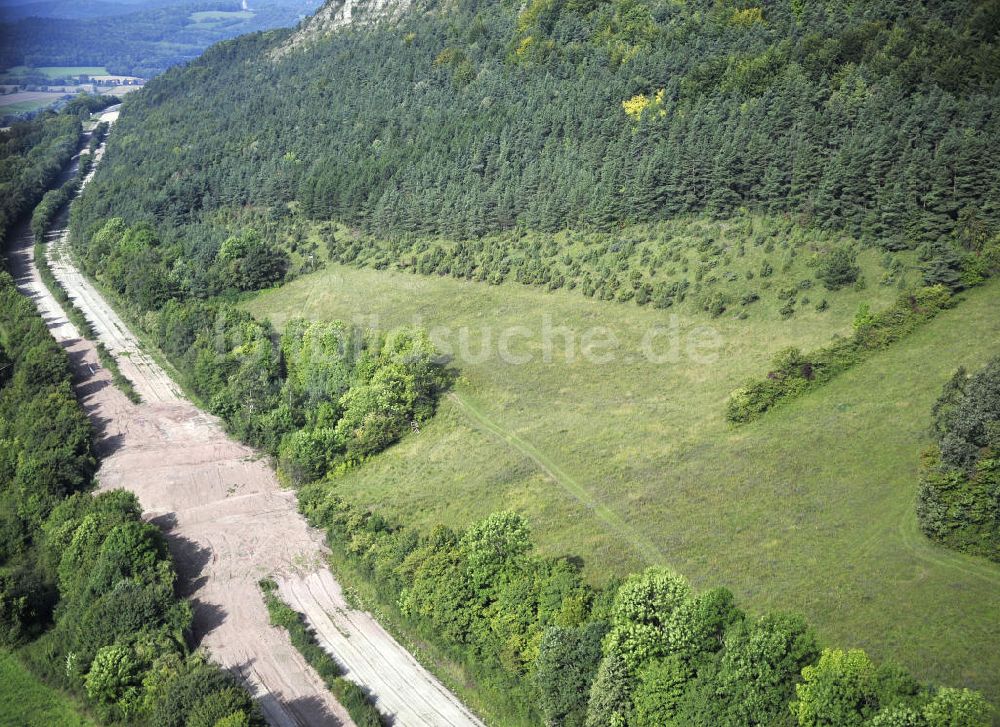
x: 649, y: 650
x: 793, y: 372
x: 318, y: 397
x: 53, y: 201
x: 32, y: 154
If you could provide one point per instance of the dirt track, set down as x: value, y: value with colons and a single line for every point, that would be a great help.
x: 229, y: 524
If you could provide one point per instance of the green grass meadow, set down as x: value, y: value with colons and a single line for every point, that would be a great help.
x: 205, y: 20
x: 53, y: 72
x: 809, y: 509
x: 27, y: 702
x: 70, y: 71
x: 24, y: 107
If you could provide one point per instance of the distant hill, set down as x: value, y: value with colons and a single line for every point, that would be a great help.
x: 130, y: 38
x: 12, y: 10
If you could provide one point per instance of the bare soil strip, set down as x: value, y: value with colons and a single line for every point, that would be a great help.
x: 370, y: 656
x: 229, y: 524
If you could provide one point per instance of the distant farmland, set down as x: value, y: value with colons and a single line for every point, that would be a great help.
x: 53, y: 72
x: 218, y: 16
x: 23, y: 102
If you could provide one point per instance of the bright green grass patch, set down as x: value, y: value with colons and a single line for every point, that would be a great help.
x: 71, y: 71
x: 810, y: 509
x: 27, y: 702
x: 24, y: 107
x: 53, y: 72
x: 211, y: 16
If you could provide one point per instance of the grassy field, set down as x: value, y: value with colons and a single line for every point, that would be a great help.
x: 212, y: 15
x: 52, y: 72
x: 22, y: 103
x: 631, y: 462
x: 27, y: 702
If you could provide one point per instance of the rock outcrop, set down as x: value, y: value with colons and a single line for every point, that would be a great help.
x: 336, y: 14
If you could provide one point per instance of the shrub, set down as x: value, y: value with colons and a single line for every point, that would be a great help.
x: 841, y: 689
x: 838, y: 269
x: 113, y: 672
x: 195, y: 689
x: 715, y: 304
x: 960, y: 475
x: 247, y: 262
x: 958, y: 708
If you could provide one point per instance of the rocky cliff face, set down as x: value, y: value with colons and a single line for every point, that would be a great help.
x: 340, y: 13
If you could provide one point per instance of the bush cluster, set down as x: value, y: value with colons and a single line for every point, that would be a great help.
x: 958, y: 502
x: 318, y: 397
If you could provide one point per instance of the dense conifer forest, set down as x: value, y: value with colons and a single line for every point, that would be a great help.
x: 876, y: 119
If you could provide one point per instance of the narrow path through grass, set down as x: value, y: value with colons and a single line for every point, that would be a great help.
x: 616, y: 524
x: 922, y: 548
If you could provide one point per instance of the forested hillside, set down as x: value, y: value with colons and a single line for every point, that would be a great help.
x: 31, y: 156
x: 877, y: 119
